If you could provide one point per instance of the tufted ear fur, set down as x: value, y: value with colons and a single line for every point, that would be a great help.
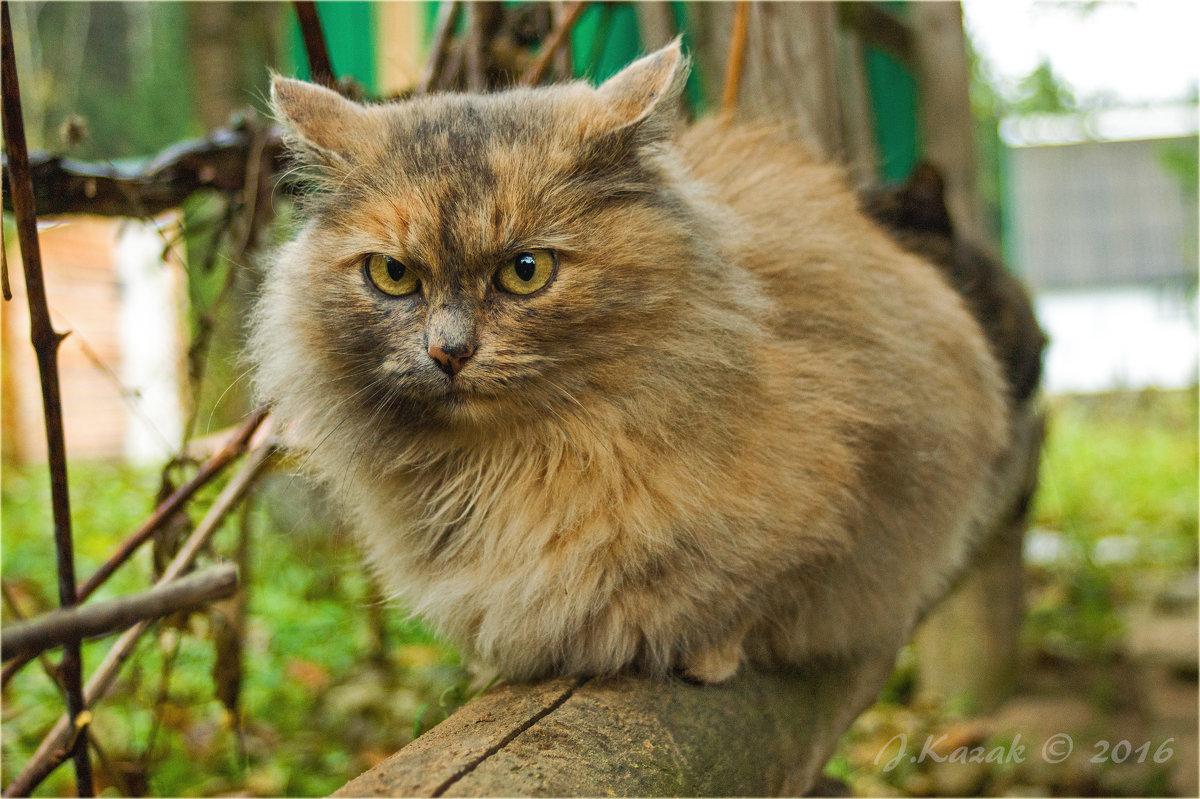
x: 320, y: 121
x: 645, y: 95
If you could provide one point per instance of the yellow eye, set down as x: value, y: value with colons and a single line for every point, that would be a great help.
x: 527, y: 272
x: 390, y: 276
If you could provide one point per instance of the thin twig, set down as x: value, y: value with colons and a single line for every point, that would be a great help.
x: 162, y: 699
x: 212, y: 467
x: 474, y: 48
x: 168, y: 508
x: 562, y: 61
x: 320, y: 68
x: 561, y: 31
x: 45, y: 342
x: 47, y: 665
x: 5, y: 288
x: 51, y: 671
x: 452, y: 66
x: 61, y: 626
x: 736, y: 58
x: 442, y: 35
x: 51, y: 751
x: 114, y: 774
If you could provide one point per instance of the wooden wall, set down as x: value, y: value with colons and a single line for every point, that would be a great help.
x: 83, y: 293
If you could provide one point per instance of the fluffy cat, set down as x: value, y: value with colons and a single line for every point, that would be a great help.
x: 596, y: 395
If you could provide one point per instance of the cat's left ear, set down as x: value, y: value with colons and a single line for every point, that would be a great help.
x: 319, y: 120
x: 646, y: 93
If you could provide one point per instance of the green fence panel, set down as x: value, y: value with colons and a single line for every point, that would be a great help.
x: 350, y: 31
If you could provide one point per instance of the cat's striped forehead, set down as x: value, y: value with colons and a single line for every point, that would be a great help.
x: 462, y: 180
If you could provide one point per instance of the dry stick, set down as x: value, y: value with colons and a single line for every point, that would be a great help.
x: 216, y: 161
x: 320, y: 68
x: 562, y: 28
x: 47, y: 666
x: 5, y: 288
x: 45, y: 342
x: 562, y: 61
x: 443, y: 33
x: 52, y: 672
x: 452, y: 66
x: 61, y: 626
x: 211, y: 468
x: 736, y: 59
x: 52, y: 750
x: 474, y: 48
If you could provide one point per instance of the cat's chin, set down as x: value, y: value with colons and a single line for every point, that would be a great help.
x: 458, y: 403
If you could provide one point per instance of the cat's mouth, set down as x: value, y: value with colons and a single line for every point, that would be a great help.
x: 455, y: 391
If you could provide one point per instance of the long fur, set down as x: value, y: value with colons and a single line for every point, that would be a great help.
x: 740, y: 421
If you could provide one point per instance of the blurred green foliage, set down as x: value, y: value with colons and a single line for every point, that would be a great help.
x: 1118, y: 484
x: 125, y: 100
x: 1118, y: 496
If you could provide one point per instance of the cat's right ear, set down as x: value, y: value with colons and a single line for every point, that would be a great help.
x: 645, y: 94
x: 320, y: 121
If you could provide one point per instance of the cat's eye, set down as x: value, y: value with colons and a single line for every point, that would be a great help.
x: 390, y: 276
x: 527, y: 272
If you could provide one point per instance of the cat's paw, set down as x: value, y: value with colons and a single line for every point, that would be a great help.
x: 713, y: 665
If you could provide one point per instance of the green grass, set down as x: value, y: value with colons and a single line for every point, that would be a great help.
x: 1123, y: 464
x: 327, y: 688
x: 1116, y: 469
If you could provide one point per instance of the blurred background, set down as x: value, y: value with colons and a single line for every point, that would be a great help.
x: 1067, y: 132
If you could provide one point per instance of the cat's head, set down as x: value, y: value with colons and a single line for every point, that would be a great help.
x: 477, y: 258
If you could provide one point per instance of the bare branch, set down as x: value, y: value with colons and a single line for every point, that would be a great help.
x: 218, y: 162
x: 736, y: 58
x: 442, y: 35
x: 558, y: 35
x: 320, y: 68
x: 45, y: 343
x: 231, y: 450
x: 562, y: 60
x: 52, y: 751
x: 5, y: 288
x: 474, y: 48
x: 47, y: 666
x: 61, y: 626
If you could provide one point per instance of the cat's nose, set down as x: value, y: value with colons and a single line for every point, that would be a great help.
x: 451, y: 359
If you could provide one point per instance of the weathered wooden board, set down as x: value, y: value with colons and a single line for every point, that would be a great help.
x: 760, y: 734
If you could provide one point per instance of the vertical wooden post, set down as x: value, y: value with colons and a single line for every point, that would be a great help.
x: 967, y: 648
x: 947, y: 133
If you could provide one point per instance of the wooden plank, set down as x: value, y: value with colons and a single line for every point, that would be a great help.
x: 861, y: 152
x: 947, y: 131
x: 629, y: 736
